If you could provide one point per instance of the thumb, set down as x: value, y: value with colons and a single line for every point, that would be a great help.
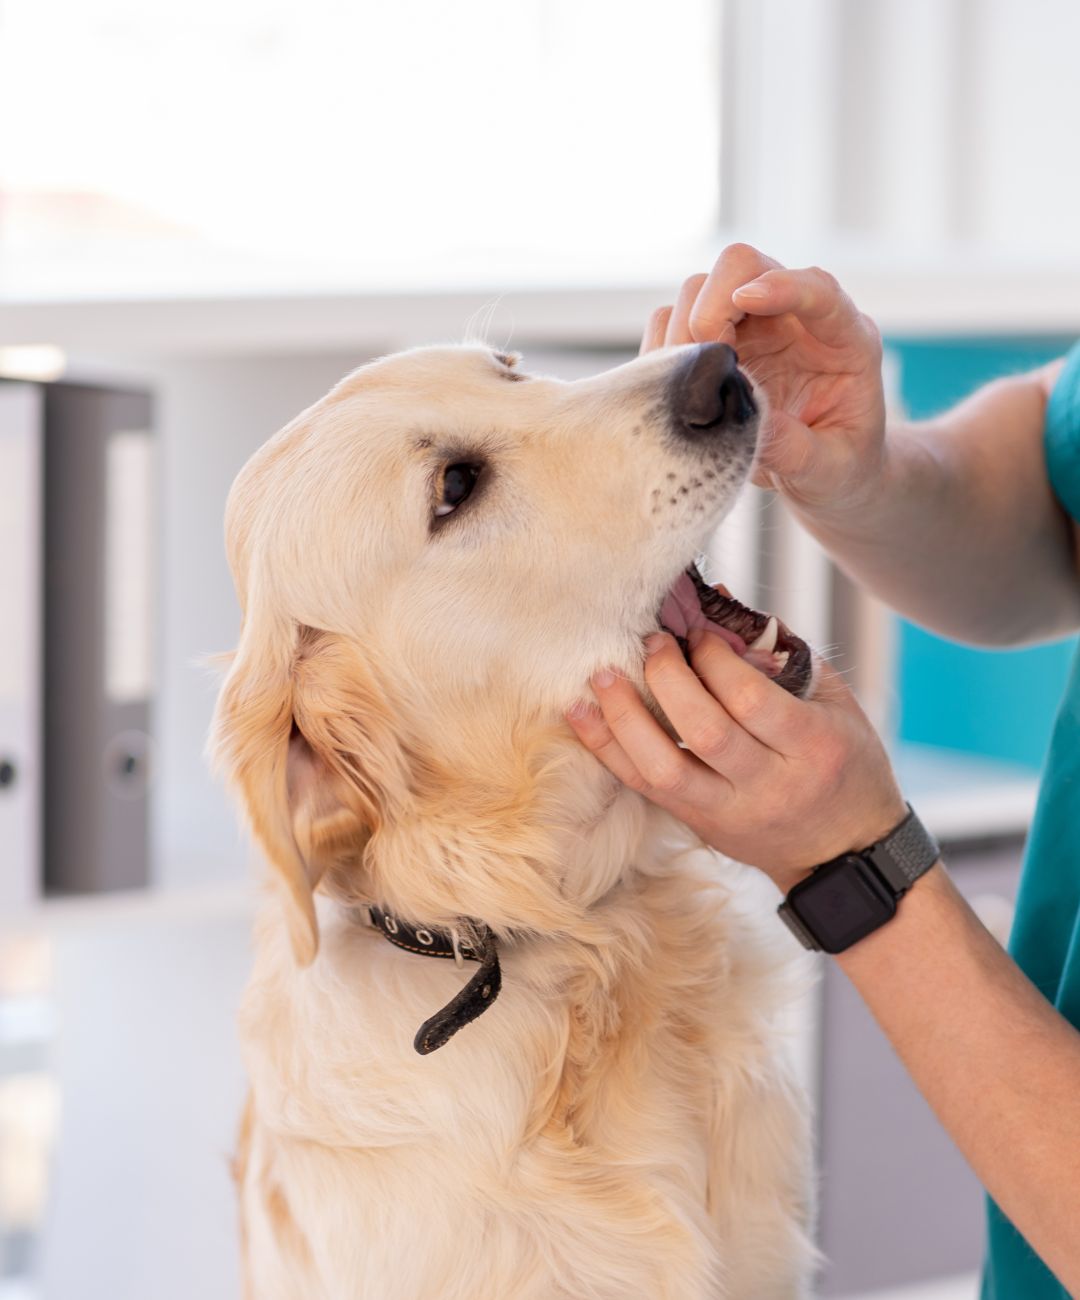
x: 787, y: 450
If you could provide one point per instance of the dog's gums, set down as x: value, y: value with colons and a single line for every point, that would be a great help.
x: 761, y: 639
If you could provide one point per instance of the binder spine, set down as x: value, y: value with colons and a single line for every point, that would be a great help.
x: 21, y: 438
x: 97, y: 619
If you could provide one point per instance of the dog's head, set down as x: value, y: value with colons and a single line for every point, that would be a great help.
x: 432, y: 561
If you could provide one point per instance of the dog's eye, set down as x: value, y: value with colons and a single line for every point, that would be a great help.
x: 458, y: 481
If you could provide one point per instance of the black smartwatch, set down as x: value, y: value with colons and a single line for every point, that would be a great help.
x: 844, y: 900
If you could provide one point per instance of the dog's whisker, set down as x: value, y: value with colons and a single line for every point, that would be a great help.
x: 478, y: 327
x: 508, y: 342
x: 489, y: 320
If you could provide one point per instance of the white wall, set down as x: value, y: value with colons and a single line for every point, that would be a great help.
x: 908, y: 127
x: 1026, y: 142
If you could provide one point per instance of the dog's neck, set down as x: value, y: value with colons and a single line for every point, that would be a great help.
x: 527, y: 838
x: 475, y: 941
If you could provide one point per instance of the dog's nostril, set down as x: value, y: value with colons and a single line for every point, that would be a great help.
x: 731, y: 402
x: 728, y: 398
x: 736, y: 402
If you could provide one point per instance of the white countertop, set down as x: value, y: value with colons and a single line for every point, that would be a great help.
x: 965, y: 796
x: 965, y: 1287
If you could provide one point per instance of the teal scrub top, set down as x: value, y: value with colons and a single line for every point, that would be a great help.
x: 1045, y: 938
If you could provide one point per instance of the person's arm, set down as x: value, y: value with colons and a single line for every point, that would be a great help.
x: 785, y: 784
x: 999, y: 1066
x: 963, y: 533
x: 951, y: 521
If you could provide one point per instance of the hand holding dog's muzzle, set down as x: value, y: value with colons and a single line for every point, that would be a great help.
x: 766, y: 778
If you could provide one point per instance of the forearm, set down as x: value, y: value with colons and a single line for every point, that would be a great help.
x: 963, y: 533
x: 999, y: 1066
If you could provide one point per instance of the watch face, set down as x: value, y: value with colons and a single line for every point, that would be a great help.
x: 841, y: 903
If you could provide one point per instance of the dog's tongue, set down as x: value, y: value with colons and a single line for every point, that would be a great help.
x: 682, y: 611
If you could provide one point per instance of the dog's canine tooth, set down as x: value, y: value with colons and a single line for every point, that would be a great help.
x: 767, y: 640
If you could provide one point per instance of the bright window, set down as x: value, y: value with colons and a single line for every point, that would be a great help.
x: 237, y: 144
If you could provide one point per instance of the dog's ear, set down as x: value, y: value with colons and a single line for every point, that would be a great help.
x: 291, y: 731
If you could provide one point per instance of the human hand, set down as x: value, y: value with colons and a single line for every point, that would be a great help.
x: 802, y: 340
x: 768, y: 779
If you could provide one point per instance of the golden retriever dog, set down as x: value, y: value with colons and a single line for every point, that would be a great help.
x: 587, y: 1096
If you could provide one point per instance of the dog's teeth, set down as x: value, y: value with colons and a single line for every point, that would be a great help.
x: 767, y: 640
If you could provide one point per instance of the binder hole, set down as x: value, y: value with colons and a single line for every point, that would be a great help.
x: 7, y: 773
x: 129, y: 764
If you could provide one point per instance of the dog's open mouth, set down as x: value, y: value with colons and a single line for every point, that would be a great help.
x: 760, y: 639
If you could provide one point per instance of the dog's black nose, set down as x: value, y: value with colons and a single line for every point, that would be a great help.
x: 710, y: 392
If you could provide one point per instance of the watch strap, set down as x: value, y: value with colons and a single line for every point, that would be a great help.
x: 905, y: 854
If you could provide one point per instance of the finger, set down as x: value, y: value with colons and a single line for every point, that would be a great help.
x: 678, y: 327
x: 702, y: 722
x: 786, y: 447
x: 591, y: 728
x: 671, y: 773
x: 715, y: 315
x: 769, y: 713
x: 812, y: 295
x: 655, y: 330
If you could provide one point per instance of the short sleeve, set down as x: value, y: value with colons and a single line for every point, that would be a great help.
x: 1063, y: 435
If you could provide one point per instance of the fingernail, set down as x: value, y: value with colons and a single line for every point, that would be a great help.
x: 654, y: 642
x: 604, y: 678
x: 753, y: 291
x: 578, y: 710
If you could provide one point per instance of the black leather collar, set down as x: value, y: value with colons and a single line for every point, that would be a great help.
x: 474, y: 999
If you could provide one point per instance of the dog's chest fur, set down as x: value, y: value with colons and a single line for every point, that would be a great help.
x: 617, y: 1124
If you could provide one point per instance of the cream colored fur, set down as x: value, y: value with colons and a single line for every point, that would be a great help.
x: 621, y: 1122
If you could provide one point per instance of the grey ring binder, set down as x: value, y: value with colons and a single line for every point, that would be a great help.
x: 75, y: 725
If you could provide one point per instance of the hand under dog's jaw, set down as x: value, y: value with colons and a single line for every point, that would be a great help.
x: 761, y: 639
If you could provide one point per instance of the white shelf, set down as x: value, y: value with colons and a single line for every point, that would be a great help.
x: 560, y: 306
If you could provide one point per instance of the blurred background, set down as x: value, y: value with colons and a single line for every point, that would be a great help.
x: 208, y: 214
